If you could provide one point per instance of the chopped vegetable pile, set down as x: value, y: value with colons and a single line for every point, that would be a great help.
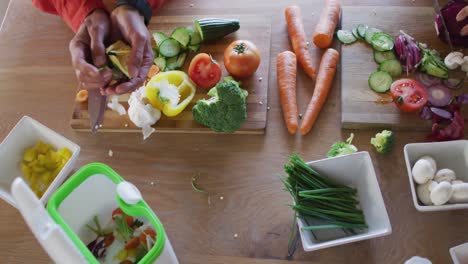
x: 124, y: 240
x: 324, y: 203
x: 41, y: 164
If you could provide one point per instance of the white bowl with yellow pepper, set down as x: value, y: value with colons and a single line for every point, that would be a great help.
x: 39, y: 155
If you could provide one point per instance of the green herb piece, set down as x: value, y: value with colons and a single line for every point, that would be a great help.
x: 98, y: 230
x: 342, y: 148
x: 195, y: 187
x: 140, y: 254
x: 122, y: 228
x: 137, y: 223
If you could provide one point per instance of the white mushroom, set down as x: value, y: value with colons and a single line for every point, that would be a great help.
x: 431, y: 160
x: 445, y: 175
x: 454, y: 59
x: 424, y: 194
x: 441, y: 193
x: 460, y: 193
x: 418, y: 260
x: 457, y: 182
x: 423, y: 171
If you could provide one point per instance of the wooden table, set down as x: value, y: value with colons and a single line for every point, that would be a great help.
x: 36, y: 79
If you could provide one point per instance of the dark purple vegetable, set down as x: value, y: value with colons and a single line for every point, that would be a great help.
x: 426, y: 113
x: 441, y: 113
x: 427, y: 80
x: 97, y: 247
x: 449, y: 14
x: 462, y: 98
x: 408, y: 52
x: 453, y: 83
x: 439, y: 95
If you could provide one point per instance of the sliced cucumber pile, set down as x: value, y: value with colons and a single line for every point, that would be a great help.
x: 383, y: 45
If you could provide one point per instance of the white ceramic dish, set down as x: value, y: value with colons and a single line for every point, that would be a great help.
x: 459, y: 254
x: 25, y: 134
x: 450, y: 154
x: 355, y: 170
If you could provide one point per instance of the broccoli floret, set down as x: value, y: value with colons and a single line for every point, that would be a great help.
x: 383, y: 141
x: 226, y: 110
x: 342, y: 148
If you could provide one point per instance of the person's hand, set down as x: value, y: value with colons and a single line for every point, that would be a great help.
x: 88, y: 51
x: 128, y: 25
x: 461, y: 16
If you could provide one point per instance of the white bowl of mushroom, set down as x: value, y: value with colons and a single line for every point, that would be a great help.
x: 437, y: 175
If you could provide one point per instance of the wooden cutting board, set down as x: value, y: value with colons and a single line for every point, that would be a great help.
x: 360, y: 107
x: 255, y: 28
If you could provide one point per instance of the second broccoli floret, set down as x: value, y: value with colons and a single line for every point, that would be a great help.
x: 226, y: 110
x: 383, y: 141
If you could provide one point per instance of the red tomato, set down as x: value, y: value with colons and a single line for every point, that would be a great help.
x: 119, y: 211
x: 408, y: 95
x: 204, y: 71
x: 132, y: 243
x: 241, y: 58
x: 148, y: 232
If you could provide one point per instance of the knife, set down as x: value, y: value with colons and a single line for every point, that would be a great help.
x: 96, y: 108
x: 444, y: 26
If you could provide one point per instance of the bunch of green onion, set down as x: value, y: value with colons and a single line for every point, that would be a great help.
x: 319, y: 198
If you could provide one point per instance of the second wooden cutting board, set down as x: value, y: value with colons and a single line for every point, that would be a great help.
x: 360, y: 107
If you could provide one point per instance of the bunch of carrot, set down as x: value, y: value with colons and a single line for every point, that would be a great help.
x: 287, y: 65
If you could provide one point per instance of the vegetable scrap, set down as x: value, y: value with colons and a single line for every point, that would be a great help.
x: 342, y: 148
x: 82, y: 96
x: 141, y: 114
x: 110, y: 153
x: 116, y: 106
x: 41, y: 164
x: 195, y: 187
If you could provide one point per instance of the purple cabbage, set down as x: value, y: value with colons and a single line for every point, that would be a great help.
x: 449, y: 14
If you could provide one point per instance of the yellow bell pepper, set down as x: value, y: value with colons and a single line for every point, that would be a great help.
x: 179, y: 86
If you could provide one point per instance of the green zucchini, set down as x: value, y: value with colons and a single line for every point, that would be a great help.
x: 380, y: 81
x: 393, y: 67
x: 161, y: 63
x: 215, y: 28
x: 345, y: 36
x: 182, y: 35
x: 169, y: 48
x: 381, y: 56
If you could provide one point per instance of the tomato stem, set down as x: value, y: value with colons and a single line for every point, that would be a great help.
x: 240, y: 48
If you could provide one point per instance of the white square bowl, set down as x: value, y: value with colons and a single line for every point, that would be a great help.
x: 24, y: 135
x: 355, y: 170
x: 450, y: 154
x: 459, y: 254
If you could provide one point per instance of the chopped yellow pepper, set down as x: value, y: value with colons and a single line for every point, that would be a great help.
x: 170, y: 92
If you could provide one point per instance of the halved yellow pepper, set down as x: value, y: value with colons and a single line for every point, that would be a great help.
x: 185, y: 87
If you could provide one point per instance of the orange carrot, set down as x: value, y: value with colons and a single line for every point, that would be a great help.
x: 323, y: 34
x: 298, y: 39
x: 326, y: 73
x: 286, y: 66
x: 152, y: 71
x: 82, y: 96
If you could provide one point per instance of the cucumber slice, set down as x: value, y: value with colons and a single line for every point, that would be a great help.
x: 159, y: 37
x: 393, y: 67
x: 181, y: 60
x: 161, y: 63
x: 381, y: 56
x: 194, y: 48
x: 370, y: 33
x: 345, y: 36
x: 155, y: 53
x: 182, y: 35
x: 355, y: 33
x: 380, y: 81
x: 195, y: 38
x: 361, y: 29
x: 169, y: 48
x: 382, y: 41
x: 171, y: 63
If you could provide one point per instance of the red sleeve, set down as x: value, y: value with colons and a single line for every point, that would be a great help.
x: 73, y: 12
x: 155, y: 5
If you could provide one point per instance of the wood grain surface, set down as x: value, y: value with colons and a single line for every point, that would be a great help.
x: 38, y: 80
x: 256, y: 28
x: 360, y: 107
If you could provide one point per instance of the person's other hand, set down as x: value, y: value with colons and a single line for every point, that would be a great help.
x: 461, y: 16
x: 128, y: 25
x: 88, y: 51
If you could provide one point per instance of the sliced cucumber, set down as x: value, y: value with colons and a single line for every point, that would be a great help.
x: 370, y: 33
x: 393, y: 67
x: 171, y: 63
x: 169, y: 48
x: 215, y: 28
x: 355, y: 33
x: 182, y: 35
x: 159, y: 37
x: 161, y: 63
x: 382, y: 41
x: 194, y: 48
x: 155, y: 53
x: 380, y: 81
x: 381, y: 56
x: 181, y: 60
x: 345, y: 36
x: 361, y: 29
x: 195, y: 38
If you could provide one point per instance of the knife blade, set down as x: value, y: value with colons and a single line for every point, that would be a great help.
x: 444, y: 26
x: 96, y: 108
